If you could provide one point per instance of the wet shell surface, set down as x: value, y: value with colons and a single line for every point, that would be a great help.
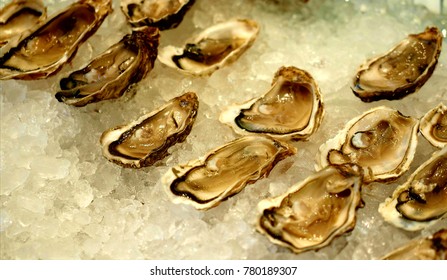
x: 382, y: 141
x: 53, y: 44
x: 422, y: 200
x: 291, y: 109
x: 205, y: 182
x: 313, y: 212
x: 213, y: 48
x: 402, y: 70
x: 110, y: 74
x: 147, y: 139
x: 434, y: 126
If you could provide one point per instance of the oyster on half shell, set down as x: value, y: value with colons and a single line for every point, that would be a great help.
x: 401, y: 71
x: 147, y: 139
x: 111, y: 73
x: 205, y: 182
x: 49, y: 47
x: 291, y: 109
x: 422, y: 199
x: 213, y: 48
x: 382, y: 141
x: 164, y: 14
x: 313, y: 212
x: 434, y: 126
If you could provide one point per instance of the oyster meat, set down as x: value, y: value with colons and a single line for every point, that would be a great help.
x: 434, y: 126
x: 422, y: 200
x: 213, y: 48
x: 401, y: 71
x: 429, y: 248
x: 45, y: 50
x: 164, y: 14
x: 382, y: 141
x: 313, y: 212
x: 147, y: 139
x: 111, y: 73
x: 291, y: 109
x: 225, y: 171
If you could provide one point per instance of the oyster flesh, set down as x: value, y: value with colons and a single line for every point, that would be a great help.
x: 45, y: 50
x: 313, y: 212
x: 111, y: 73
x: 382, y: 141
x: 164, y: 14
x: 422, y: 200
x: 225, y: 171
x: 401, y: 71
x: 291, y: 109
x: 434, y: 126
x: 147, y: 139
x: 213, y: 48
x: 430, y: 248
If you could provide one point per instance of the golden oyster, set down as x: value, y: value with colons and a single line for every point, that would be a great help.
x: 313, y: 212
x: 422, y: 200
x: 164, y: 14
x: 45, y: 51
x: 213, y: 48
x: 402, y: 70
x: 382, y: 141
x: 147, y: 139
x: 291, y: 109
x: 429, y: 248
x: 434, y: 126
x: 111, y: 73
x: 205, y: 182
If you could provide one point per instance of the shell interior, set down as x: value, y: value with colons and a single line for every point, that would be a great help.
x: 434, y: 126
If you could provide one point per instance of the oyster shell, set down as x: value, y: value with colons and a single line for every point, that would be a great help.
x: 164, y: 14
x: 291, y: 109
x: 434, y: 126
x: 422, y: 200
x: 213, y: 48
x: 205, y: 182
x: 382, y: 141
x: 429, y: 248
x: 147, y: 139
x: 111, y: 73
x: 44, y: 51
x: 313, y: 212
x: 402, y: 70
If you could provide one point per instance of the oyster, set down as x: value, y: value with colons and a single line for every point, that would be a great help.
x: 291, y: 109
x: 44, y: 51
x: 164, y: 14
x: 422, y: 200
x: 225, y: 171
x: 434, y: 126
x: 429, y: 248
x: 213, y: 48
x: 382, y: 141
x: 147, y: 139
x: 111, y: 73
x: 313, y: 212
x: 402, y: 70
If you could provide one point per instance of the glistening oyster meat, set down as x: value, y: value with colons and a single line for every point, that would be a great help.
x: 291, y: 109
x: 205, y: 182
x: 213, y: 48
x: 382, y: 141
x: 147, y: 139
x: 164, y: 14
x: 110, y: 74
x: 429, y: 248
x: 422, y: 200
x: 434, y: 126
x: 45, y: 51
x: 313, y: 212
x: 402, y: 70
